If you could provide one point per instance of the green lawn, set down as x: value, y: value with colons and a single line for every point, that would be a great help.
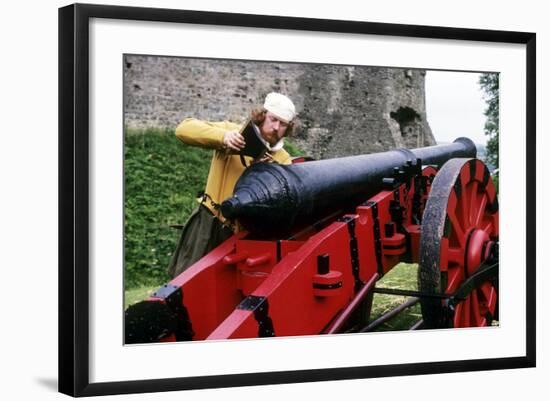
x: 162, y: 179
x: 137, y: 294
x: 402, y: 276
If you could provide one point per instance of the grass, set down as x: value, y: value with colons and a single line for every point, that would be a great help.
x: 162, y: 179
x: 403, y: 276
x: 292, y: 149
x: 138, y: 294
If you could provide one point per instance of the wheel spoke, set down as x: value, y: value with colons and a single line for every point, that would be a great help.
x: 454, y: 278
x: 476, y: 318
x: 466, y: 312
x: 487, y: 227
x: 457, y: 322
x: 490, y: 295
x: 464, y: 207
x: 473, y: 210
x: 457, y: 227
x: 480, y: 210
x: 456, y: 255
x: 494, y: 219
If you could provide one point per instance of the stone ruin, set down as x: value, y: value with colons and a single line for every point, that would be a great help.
x: 342, y: 110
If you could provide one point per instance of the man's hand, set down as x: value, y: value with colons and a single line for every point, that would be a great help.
x: 233, y: 140
x: 267, y: 157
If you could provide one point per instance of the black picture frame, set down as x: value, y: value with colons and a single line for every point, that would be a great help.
x: 74, y: 192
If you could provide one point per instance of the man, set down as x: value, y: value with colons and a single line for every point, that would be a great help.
x: 206, y: 228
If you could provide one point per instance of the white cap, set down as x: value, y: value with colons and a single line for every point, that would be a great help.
x: 281, y: 106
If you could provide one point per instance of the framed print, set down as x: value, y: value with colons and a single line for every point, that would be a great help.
x: 332, y: 180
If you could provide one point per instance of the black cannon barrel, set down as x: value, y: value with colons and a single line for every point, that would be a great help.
x: 270, y: 199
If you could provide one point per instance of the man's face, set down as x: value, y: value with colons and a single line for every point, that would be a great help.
x: 273, y: 128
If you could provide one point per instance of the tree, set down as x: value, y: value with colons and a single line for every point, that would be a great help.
x: 489, y: 85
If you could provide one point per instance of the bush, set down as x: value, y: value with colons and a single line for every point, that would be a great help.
x: 162, y: 178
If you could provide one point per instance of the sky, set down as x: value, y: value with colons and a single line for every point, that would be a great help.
x: 455, y: 106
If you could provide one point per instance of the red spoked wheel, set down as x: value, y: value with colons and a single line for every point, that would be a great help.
x: 459, y: 233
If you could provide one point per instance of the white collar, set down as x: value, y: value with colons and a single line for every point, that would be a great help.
x: 278, y: 146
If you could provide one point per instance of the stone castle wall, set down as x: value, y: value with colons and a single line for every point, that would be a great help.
x: 342, y: 110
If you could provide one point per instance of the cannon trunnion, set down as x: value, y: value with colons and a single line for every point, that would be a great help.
x: 321, y: 234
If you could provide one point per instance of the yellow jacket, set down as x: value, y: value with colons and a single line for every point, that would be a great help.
x: 225, y: 168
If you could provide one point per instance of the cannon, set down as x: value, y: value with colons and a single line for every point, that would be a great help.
x: 320, y: 234
x: 269, y: 199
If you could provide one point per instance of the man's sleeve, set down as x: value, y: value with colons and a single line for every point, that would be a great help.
x: 203, y: 133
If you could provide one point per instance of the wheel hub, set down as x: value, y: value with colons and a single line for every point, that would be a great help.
x: 476, y: 251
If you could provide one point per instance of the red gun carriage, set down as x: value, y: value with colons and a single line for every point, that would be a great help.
x: 320, y: 234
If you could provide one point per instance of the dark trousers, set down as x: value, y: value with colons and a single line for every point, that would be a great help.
x: 201, y: 233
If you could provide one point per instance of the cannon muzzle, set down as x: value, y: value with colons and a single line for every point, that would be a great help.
x: 270, y: 199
